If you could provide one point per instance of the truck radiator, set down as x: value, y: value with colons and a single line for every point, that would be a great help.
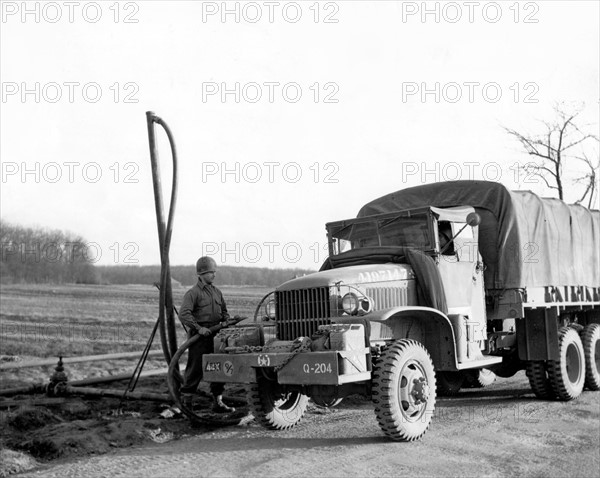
x: 300, y: 312
x: 386, y: 297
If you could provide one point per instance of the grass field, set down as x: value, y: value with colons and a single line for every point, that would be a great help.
x: 43, y: 320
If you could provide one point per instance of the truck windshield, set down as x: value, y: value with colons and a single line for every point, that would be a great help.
x: 390, y: 231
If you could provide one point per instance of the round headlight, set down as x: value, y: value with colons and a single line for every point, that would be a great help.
x: 270, y: 309
x: 350, y: 303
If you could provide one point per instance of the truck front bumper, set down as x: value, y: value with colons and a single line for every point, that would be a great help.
x: 330, y: 367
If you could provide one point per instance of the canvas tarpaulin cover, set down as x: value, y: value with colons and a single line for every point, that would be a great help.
x: 524, y: 240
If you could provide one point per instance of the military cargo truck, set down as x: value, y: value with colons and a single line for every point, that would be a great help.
x: 427, y: 287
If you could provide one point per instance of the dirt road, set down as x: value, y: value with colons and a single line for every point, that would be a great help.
x: 500, y: 431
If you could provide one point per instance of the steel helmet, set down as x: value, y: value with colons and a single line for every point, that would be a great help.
x: 206, y: 264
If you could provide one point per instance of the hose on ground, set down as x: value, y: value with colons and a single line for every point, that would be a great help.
x: 174, y: 381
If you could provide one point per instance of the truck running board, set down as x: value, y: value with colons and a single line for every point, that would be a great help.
x: 486, y: 361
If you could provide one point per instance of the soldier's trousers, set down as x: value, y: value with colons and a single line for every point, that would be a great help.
x: 193, y: 370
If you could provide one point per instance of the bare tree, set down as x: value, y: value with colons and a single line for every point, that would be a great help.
x: 589, y: 180
x: 562, y: 142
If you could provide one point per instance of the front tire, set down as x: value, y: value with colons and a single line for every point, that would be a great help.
x: 273, y: 407
x: 591, y: 349
x: 567, y: 374
x: 404, y: 390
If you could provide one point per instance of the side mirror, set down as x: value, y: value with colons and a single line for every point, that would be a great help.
x: 473, y: 219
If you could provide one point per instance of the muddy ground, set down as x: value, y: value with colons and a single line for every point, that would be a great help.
x: 502, y: 430
x: 45, y: 429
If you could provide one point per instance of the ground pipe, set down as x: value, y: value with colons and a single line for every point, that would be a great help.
x: 104, y: 392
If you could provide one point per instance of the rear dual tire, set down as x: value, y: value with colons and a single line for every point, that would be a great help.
x: 567, y: 374
x: 590, y: 338
x: 538, y: 379
x: 577, y: 366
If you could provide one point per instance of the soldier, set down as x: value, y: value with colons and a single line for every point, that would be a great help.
x: 203, y: 308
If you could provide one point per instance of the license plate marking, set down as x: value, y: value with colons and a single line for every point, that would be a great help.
x: 213, y: 367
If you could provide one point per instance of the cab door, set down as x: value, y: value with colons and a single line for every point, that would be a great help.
x: 462, y: 275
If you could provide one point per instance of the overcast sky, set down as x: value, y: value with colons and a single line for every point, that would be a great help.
x: 286, y: 115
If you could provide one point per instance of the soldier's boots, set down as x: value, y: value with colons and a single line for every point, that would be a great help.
x: 220, y: 407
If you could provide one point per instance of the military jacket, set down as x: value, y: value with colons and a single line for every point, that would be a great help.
x: 203, y: 306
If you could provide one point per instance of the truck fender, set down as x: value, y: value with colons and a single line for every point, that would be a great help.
x: 427, y: 325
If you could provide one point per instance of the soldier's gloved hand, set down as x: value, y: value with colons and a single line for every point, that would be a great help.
x: 204, y: 331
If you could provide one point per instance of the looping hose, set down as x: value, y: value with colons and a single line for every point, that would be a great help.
x: 166, y: 320
x: 174, y: 381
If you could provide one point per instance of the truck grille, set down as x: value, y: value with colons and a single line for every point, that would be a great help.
x: 300, y: 312
x: 386, y: 297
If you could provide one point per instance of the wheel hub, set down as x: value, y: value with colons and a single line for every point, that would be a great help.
x: 414, y: 390
x: 420, y: 391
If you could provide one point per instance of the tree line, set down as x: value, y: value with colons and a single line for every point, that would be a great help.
x: 186, y: 275
x: 38, y: 255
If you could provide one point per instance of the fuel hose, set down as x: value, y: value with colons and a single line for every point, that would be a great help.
x: 166, y: 317
x: 166, y: 320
